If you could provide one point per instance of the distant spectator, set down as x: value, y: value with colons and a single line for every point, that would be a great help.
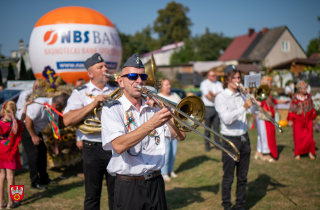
x: 300, y: 116
x: 289, y: 88
x: 266, y: 143
x: 171, y: 146
x: 210, y: 88
x: 79, y: 83
x: 22, y: 100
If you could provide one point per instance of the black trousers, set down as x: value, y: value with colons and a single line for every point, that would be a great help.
x: 140, y: 195
x: 37, y: 158
x: 211, y: 117
x: 95, y: 162
x: 242, y: 170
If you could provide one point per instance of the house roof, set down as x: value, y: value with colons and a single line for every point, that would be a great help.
x: 238, y: 46
x: 301, y: 61
x: 163, y: 49
x: 315, y: 56
x: 264, y: 45
x: 246, y: 68
x: 204, y: 66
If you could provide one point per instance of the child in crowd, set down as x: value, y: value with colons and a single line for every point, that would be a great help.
x: 10, y: 136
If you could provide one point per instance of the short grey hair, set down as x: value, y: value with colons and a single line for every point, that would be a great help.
x: 61, y: 99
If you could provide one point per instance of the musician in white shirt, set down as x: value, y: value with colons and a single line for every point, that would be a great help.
x: 136, y: 134
x: 80, y: 105
x: 232, y: 107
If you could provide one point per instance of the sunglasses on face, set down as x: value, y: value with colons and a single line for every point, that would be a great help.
x: 134, y: 76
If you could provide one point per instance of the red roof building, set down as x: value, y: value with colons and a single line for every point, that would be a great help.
x: 238, y: 46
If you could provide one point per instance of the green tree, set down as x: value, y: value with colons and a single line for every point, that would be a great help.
x: 209, y: 45
x: 141, y: 42
x: 172, y: 24
x: 11, y: 75
x: 126, y: 48
x: 23, y: 70
x: 30, y: 75
x: 313, y: 46
x: 185, y: 54
x: 1, y: 83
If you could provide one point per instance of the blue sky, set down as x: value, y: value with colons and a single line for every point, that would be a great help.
x: 232, y: 18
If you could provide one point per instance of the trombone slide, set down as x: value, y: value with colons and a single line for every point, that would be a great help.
x: 254, y: 102
x: 167, y: 103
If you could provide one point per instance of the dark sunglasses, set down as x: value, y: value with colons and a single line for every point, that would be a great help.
x: 134, y: 76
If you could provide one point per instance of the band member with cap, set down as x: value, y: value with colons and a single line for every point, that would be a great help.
x: 232, y: 107
x: 80, y: 104
x: 37, y: 118
x: 210, y: 88
x: 136, y: 134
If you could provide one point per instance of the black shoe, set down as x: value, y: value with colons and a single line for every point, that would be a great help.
x: 50, y: 182
x: 38, y: 186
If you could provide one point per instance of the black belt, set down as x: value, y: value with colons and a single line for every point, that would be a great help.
x: 91, y: 142
x: 144, y: 177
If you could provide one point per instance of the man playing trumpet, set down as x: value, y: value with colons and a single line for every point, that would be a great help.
x: 136, y: 133
x: 232, y: 107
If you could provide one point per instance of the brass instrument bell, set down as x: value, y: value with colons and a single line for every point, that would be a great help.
x: 150, y: 69
x: 262, y: 93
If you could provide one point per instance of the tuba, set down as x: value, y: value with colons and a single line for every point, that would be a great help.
x: 93, y: 124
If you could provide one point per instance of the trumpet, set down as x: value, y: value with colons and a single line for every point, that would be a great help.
x: 261, y: 94
x: 195, y: 108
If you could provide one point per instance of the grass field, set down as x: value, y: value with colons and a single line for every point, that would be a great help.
x: 285, y: 184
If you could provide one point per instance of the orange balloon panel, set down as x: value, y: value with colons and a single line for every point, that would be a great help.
x: 74, y: 15
x: 69, y: 77
x: 64, y: 38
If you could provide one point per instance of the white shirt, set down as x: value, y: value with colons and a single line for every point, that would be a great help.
x: 149, y: 155
x: 23, y: 97
x: 173, y: 97
x: 205, y: 86
x: 232, y: 115
x: 79, y: 99
x: 38, y: 114
x: 288, y: 89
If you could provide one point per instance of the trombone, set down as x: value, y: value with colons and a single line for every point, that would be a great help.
x: 194, y: 106
x: 261, y: 94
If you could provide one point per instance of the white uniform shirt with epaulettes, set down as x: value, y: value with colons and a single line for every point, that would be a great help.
x: 80, y: 98
x: 38, y: 114
x: 145, y: 157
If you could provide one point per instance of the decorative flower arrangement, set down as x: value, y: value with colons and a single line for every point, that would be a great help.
x: 316, y: 104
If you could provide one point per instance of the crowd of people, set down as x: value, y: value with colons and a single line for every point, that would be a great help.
x: 137, y: 146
